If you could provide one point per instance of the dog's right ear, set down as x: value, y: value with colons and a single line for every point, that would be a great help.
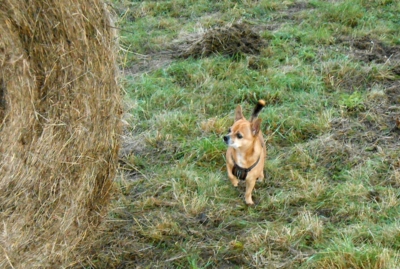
x: 255, y: 126
x: 238, y: 113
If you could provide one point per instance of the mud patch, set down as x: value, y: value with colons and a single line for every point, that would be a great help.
x: 373, y: 129
x: 393, y: 92
x: 228, y: 40
x: 294, y: 10
x: 368, y: 49
x: 373, y: 132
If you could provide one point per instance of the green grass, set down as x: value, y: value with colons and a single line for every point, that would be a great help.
x: 330, y: 199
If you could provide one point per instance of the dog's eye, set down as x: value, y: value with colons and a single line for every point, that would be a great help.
x: 240, y: 136
x: 229, y: 130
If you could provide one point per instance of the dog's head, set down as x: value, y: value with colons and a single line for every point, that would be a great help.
x: 242, y: 133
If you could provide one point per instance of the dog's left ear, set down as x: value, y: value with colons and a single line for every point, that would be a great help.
x: 238, y: 113
x: 255, y: 126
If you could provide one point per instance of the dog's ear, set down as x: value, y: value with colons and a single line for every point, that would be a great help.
x: 255, y: 126
x: 238, y: 113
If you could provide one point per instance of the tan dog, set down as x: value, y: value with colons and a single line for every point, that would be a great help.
x: 246, y: 150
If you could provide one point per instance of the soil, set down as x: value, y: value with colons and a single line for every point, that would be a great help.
x: 369, y: 49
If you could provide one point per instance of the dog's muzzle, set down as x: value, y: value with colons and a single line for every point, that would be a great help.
x: 226, y: 139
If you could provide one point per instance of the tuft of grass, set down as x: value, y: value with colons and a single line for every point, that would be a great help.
x: 344, y: 254
x: 352, y: 102
x: 347, y: 13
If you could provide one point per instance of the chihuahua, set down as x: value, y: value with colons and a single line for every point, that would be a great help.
x: 246, y: 150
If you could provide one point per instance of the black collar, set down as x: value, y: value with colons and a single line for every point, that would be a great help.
x: 240, y: 172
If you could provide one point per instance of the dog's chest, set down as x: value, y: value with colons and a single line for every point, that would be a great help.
x: 239, y: 172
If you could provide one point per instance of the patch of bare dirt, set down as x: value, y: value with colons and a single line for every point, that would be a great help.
x: 371, y: 133
x: 369, y: 49
x: 393, y: 92
x: 294, y: 9
x: 375, y: 130
x: 386, y: 110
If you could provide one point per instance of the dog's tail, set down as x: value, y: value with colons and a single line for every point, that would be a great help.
x: 260, y: 105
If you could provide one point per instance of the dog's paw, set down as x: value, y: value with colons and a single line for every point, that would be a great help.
x: 235, y: 183
x: 250, y: 203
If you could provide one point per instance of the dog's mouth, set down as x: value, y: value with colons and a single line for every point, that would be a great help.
x: 228, y: 141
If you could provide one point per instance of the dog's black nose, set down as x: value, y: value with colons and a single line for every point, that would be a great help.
x: 226, y: 138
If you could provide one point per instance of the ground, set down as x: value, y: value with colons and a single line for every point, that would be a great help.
x: 329, y: 73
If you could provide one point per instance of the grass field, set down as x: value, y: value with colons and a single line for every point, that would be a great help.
x: 329, y: 72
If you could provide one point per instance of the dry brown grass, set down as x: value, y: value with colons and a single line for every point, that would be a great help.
x: 59, y: 131
x: 228, y: 40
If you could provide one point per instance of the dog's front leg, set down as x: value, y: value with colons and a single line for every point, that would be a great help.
x: 232, y: 178
x: 262, y: 176
x: 250, y: 183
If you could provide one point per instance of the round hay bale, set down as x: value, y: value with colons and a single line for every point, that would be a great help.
x: 60, y: 120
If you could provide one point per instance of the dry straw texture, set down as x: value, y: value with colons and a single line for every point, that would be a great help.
x: 60, y: 113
